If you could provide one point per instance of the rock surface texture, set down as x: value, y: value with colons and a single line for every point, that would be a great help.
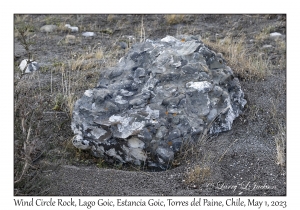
x: 160, y: 95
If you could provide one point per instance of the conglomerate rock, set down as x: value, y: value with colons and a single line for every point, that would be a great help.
x: 160, y: 95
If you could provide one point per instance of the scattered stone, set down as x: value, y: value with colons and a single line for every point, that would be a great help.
x: 88, y: 34
x: 70, y: 38
x: 267, y: 46
x: 160, y: 95
x: 123, y: 45
x: 276, y: 35
x: 48, y: 28
x: 28, y: 67
x: 129, y: 37
x: 72, y: 28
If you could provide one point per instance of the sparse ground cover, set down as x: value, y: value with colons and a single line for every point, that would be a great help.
x: 46, y: 162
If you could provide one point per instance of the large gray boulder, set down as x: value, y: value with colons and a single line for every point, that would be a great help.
x: 160, y: 95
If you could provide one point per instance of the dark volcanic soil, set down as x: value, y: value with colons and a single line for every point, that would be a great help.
x: 245, y: 157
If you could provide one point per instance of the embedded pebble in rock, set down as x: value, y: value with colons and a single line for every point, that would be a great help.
x: 28, y: 67
x: 161, y: 94
x: 88, y: 34
x: 48, y: 28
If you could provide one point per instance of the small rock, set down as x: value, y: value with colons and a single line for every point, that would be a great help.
x: 267, y: 46
x: 73, y: 28
x: 48, y: 28
x: 275, y: 35
x: 70, y: 38
x: 123, y: 45
x: 169, y: 39
x: 88, y: 34
x: 129, y: 37
x: 28, y: 68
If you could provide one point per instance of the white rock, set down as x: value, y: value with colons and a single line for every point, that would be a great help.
x: 126, y: 126
x: 138, y: 154
x: 169, y: 39
x: 267, y: 46
x: 88, y: 34
x: 28, y: 68
x: 88, y: 93
x: 119, y: 100
x: 73, y: 28
x: 152, y: 114
x: 200, y: 86
x: 48, y: 28
x: 131, y: 38
x: 135, y: 143
x: 98, y: 132
x: 275, y: 35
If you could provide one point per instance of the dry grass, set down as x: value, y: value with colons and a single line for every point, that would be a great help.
x: 28, y: 113
x: 246, y: 65
x: 53, y: 20
x: 86, y: 60
x: 99, y: 54
x: 37, y: 99
x: 261, y: 37
x: 265, y: 32
x: 111, y: 18
x: 281, y: 47
x: 73, y: 78
x: 280, y: 140
x: 62, y: 28
x: 279, y: 137
x: 20, y: 18
x: 173, y: 19
x: 197, y: 175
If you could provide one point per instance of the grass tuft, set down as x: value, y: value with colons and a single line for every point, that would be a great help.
x: 279, y: 137
x: 173, y: 19
x: 247, y: 65
x: 197, y: 175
